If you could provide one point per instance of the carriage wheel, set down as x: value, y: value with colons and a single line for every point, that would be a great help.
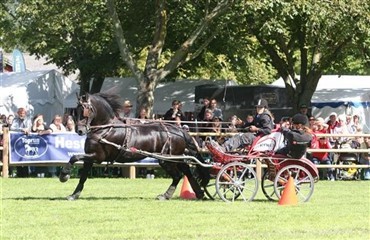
x: 236, y: 180
x: 268, y: 186
x: 210, y: 189
x: 303, y: 181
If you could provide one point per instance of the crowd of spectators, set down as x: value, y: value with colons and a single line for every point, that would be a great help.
x: 26, y: 124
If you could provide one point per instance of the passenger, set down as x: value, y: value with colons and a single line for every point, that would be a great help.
x: 297, y: 138
x: 262, y: 125
x: 248, y: 121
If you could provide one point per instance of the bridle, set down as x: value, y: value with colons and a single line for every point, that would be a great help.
x: 88, y: 113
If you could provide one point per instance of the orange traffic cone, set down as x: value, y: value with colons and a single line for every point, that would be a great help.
x: 289, y: 197
x: 186, y: 190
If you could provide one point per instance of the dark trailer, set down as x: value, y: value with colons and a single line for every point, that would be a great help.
x: 240, y: 100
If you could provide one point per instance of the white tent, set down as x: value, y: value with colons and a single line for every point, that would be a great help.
x: 164, y: 94
x: 45, y: 92
x: 342, y: 94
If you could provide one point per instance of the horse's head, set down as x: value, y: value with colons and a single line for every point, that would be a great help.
x: 95, y: 110
x: 85, y: 114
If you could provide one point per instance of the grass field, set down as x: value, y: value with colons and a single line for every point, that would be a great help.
x: 36, y: 208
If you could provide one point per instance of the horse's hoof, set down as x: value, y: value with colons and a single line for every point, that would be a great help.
x: 161, y: 197
x: 71, y: 198
x: 64, y: 178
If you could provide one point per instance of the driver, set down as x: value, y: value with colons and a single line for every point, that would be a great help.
x: 262, y: 125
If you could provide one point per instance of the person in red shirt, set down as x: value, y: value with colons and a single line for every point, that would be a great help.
x: 323, y: 157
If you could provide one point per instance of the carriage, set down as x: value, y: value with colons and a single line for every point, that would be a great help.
x: 229, y: 175
x: 234, y: 175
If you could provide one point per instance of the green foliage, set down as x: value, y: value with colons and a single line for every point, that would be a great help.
x: 36, y: 208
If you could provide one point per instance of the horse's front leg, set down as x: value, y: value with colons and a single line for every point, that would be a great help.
x: 65, y: 173
x: 80, y: 186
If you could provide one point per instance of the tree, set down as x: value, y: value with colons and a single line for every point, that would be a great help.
x: 194, y: 43
x: 71, y: 35
x: 305, y: 39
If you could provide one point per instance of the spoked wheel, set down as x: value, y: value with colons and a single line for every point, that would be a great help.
x: 303, y: 181
x: 236, y: 180
x: 210, y: 189
x: 267, y: 186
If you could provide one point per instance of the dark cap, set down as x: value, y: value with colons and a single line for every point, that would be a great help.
x: 262, y: 103
x: 303, y: 106
x: 300, y: 119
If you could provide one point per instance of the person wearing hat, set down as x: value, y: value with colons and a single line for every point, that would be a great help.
x: 262, y: 125
x: 303, y: 109
x: 297, y: 138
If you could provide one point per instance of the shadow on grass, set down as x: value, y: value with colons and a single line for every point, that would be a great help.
x: 80, y: 199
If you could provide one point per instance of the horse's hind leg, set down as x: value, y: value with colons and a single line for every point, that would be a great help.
x: 80, y: 186
x: 176, y: 176
x: 193, y: 182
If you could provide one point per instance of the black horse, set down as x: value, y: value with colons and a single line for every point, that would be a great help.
x: 109, y: 139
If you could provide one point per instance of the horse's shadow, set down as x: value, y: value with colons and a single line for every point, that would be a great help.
x: 80, y: 199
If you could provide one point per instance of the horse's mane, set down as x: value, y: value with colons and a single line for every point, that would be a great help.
x: 113, y: 103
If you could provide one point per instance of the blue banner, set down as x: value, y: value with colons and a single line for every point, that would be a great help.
x: 50, y: 148
x: 18, y: 61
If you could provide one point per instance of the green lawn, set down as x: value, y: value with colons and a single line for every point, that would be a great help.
x: 36, y: 208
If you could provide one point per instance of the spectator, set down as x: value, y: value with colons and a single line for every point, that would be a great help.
x: 9, y: 120
x: 303, y: 109
x: 57, y: 125
x: 365, y: 158
x: 174, y: 112
x: 21, y: 124
x: 142, y: 115
x: 217, y: 112
x: 332, y: 123
x: 262, y: 125
x: 349, y: 125
x: 127, y: 113
x: 234, y: 125
x: 340, y: 128
x: 70, y: 125
x: 39, y: 126
x: 357, y: 124
x: 320, y: 126
x: 217, y: 128
x: 311, y: 122
x: 206, y: 104
x: 323, y: 157
x: 297, y: 138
